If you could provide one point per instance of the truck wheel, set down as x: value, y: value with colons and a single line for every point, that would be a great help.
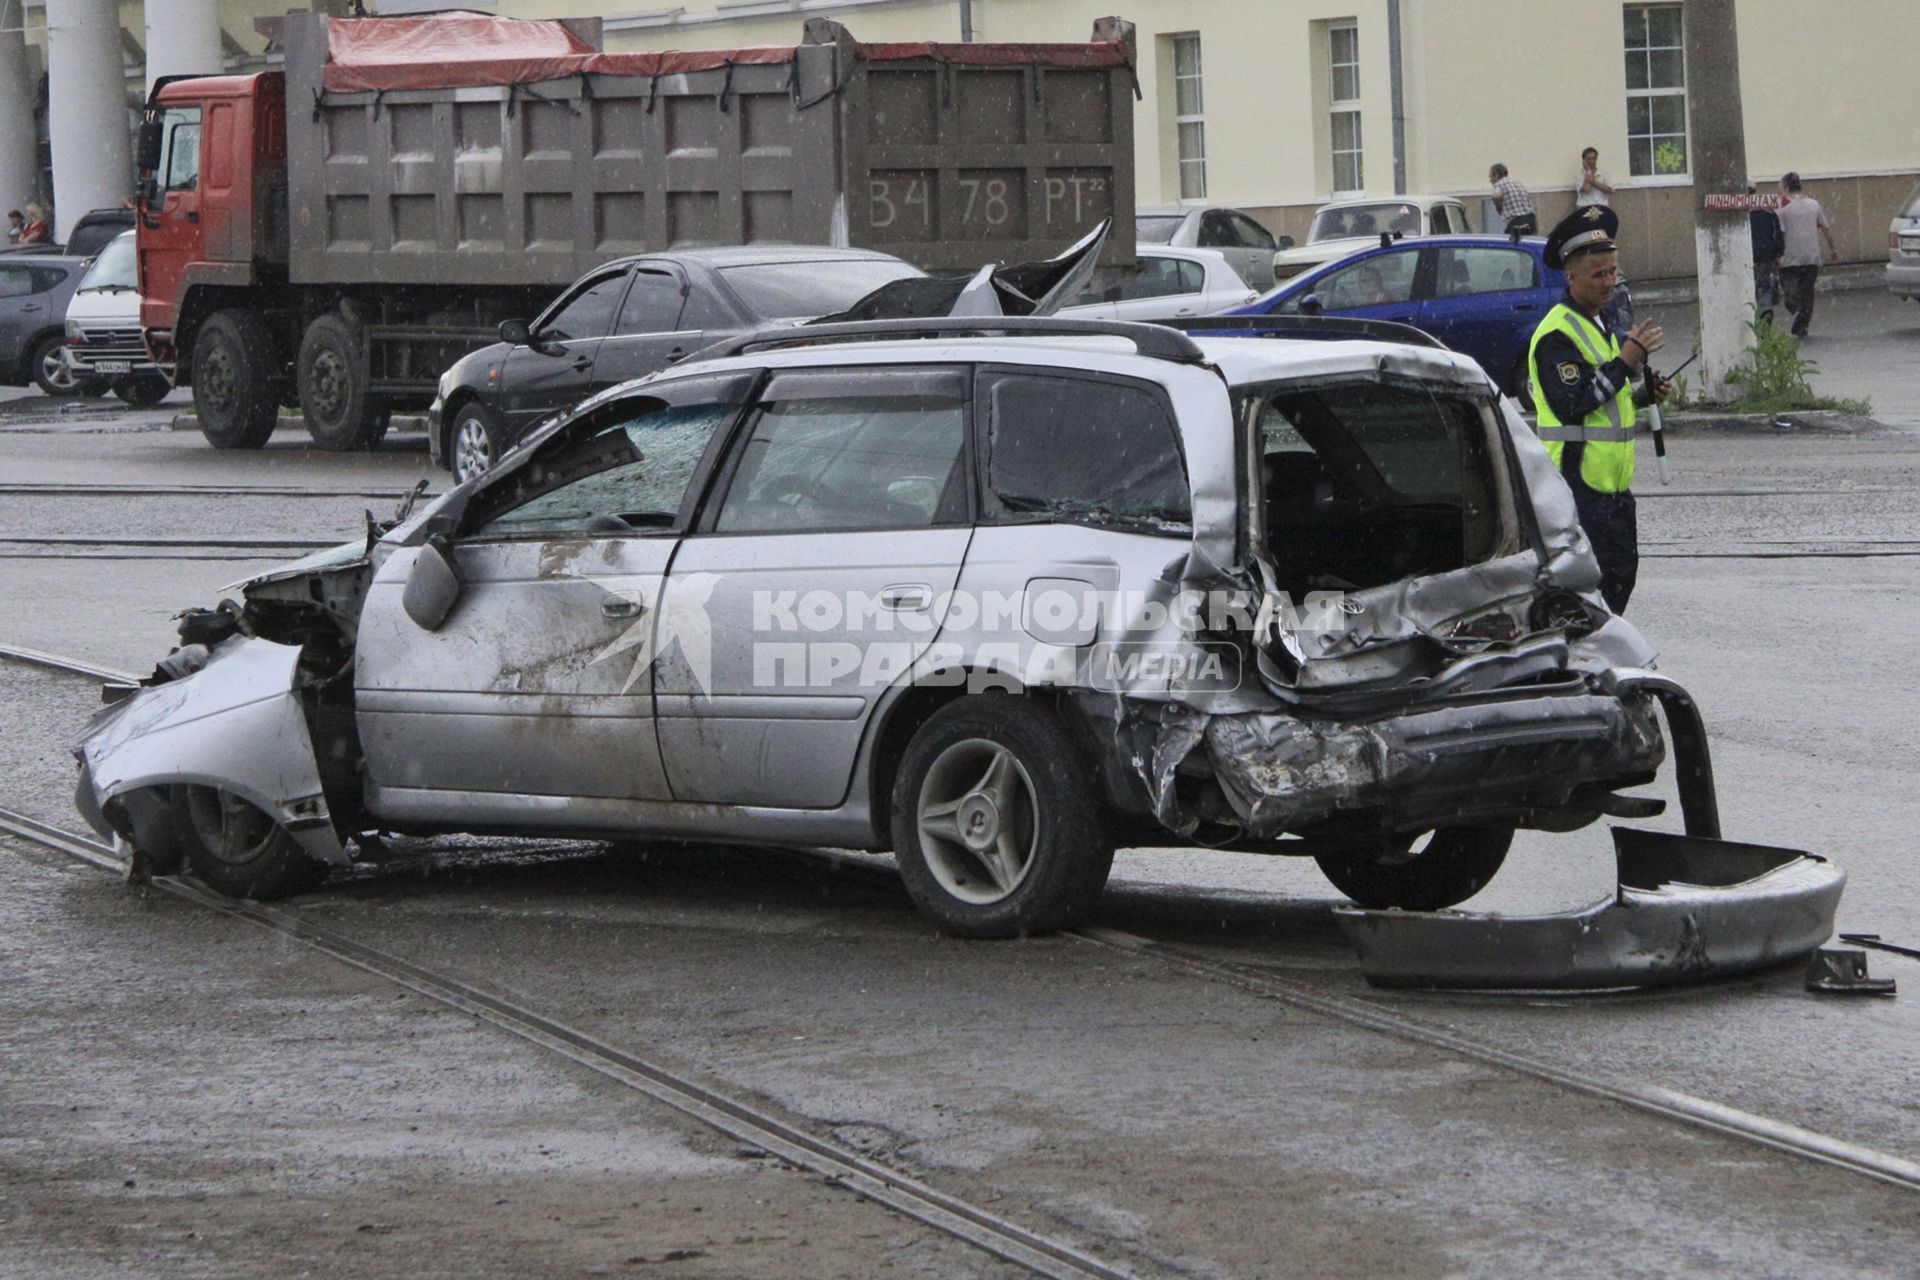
x: 143, y: 392
x: 233, y: 381
x: 235, y: 848
x: 48, y: 365
x: 474, y: 444
x: 341, y: 414
x: 1455, y: 864
x: 996, y: 826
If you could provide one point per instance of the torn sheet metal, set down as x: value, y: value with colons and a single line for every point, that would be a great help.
x: 1687, y: 909
x: 238, y: 723
x: 1503, y: 751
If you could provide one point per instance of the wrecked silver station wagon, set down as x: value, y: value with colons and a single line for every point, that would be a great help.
x: 997, y: 595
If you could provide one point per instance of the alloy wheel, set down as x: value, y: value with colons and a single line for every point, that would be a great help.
x: 979, y: 821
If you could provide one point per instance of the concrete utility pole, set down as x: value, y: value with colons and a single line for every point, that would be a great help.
x: 1722, y: 247
x: 87, y: 110
x: 19, y: 165
x: 183, y: 39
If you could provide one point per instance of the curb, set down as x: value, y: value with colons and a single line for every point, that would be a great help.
x: 1848, y: 277
x: 401, y: 423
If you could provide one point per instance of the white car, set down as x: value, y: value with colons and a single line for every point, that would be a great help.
x: 1346, y: 226
x: 104, y: 338
x: 1163, y: 284
x: 1244, y: 242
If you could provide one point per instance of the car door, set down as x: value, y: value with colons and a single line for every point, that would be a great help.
x: 171, y: 237
x: 1162, y: 287
x: 1244, y: 243
x: 1485, y: 300
x: 646, y: 337
x: 828, y: 554
x: 554, y: 370
x: 536, y: 691
x: 20, y: 312
x: 1379, y: 286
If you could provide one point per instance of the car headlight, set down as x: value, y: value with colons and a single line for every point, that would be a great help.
x: 74, y: 332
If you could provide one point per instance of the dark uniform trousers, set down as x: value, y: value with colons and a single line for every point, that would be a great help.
x: 1612, y: 524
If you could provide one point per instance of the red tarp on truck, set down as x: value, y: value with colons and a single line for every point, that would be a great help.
x: 457, y: 50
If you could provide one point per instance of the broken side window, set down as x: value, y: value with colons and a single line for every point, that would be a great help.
x: 1367, y: 484
x: 1081, y: 448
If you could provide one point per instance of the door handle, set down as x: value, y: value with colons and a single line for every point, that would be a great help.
x: 1184, y: 311
x: 676, y: 355
x: 1525, y: 306
x: 620, y: 607
x: 581, y: 364
x: 29, y: 306
x: 907, y: 598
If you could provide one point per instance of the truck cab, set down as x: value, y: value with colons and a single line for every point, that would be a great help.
x: 213, y: 201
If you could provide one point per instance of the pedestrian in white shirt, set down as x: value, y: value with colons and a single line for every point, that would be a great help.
x: 1593, y: 187
x: 1803, y: 224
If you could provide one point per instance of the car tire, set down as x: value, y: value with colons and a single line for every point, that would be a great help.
x: 144, y: 391
x: 234, y: 847
x: 997, y: 826
x: 47, y: 363
x: 1453, y: 865
x: 233, y: 381
x: 474, y: 442
x: 340, y: 412
x: 1522, y: 384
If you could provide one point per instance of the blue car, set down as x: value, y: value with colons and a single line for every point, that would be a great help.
x: 1480, y: 295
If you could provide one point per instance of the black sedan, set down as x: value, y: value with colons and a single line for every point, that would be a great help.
x: 630, y: 318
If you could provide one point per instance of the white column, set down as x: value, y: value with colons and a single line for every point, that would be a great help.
x: 183, y: 39
x: 87, y: 106
x: 18, y: 160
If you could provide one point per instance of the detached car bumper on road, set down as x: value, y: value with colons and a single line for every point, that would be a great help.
x: 997, y: 603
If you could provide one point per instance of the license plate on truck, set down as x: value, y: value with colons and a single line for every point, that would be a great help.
x: 113, y: 366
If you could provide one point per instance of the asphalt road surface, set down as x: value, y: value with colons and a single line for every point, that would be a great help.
x: 183, y: 1093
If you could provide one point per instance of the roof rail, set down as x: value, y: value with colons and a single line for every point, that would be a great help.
x: 1156, y: 341
x: 1309, y: 327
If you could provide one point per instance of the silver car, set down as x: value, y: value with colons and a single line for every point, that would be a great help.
x: 1903, y: 249
x: 996, y: 595
x: 1162, y: 283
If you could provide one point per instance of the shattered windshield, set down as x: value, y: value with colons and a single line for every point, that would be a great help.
x: 632, y: 474
x: 1367, y: 484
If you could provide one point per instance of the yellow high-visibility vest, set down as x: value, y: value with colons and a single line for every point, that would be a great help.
x: 1607, y: 463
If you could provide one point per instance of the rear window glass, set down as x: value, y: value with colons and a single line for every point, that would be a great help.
x: 1157, y: 230
x: 1365, y: 220
x: 800, y: 290
x: 1912, y: 207
x: 1084, y: 450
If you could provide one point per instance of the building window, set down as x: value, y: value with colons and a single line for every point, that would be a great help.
x: 1343, y: 91
x: 1656, y: 91
x: 1189, y: 117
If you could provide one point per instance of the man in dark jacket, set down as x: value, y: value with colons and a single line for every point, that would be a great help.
x: 1763, y: 227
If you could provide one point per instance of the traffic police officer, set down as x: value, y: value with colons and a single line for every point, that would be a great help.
x: 1584, y: 382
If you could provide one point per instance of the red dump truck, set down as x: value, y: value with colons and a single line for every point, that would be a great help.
x: 336, y: 234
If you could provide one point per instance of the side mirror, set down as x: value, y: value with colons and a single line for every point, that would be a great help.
x: 146, y: 151
x: 1310, y: 305
x: 433, y: 588
x: 1286, y: 242
x: 515, y: 331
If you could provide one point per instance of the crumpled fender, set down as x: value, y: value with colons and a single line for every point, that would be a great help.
x: 238, y: 724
